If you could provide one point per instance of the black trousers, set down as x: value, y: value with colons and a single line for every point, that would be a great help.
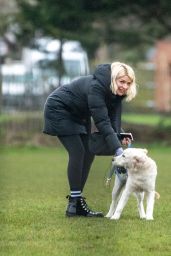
x: 80, y: 159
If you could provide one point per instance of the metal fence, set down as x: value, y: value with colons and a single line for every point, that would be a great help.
x: 25, y: 91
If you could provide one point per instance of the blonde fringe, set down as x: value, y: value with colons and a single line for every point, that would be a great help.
x: 117, y: 69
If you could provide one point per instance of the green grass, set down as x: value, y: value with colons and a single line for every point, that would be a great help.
x: 32, y: 197
x: 147, y: 119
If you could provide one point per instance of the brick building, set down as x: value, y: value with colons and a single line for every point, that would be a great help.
x: 163, y: 76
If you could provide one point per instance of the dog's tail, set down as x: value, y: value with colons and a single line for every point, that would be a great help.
x: 157, y: 195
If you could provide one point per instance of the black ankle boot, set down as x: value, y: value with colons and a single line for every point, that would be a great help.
x: 78, y: 207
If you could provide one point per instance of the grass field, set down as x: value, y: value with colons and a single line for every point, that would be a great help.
x: 32, y: 198
x: 147, y: 119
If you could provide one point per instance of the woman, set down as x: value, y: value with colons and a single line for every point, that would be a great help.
x: 67, y: 115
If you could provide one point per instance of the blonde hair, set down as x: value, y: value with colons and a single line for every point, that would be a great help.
x: 119, y: 69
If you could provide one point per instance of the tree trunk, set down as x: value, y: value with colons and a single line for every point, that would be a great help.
x: 60, y: 64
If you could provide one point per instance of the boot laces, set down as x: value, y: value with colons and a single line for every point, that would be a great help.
x: 85, y: 206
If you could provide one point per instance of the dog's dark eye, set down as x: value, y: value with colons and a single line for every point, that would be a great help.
x: 123, y: 155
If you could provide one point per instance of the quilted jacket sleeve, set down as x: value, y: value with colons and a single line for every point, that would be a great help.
x: 115, y: 117
x: 99, y: 112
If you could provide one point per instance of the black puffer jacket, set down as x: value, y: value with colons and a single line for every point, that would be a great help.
x: 68, y: 109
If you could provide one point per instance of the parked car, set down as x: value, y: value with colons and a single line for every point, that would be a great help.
x: 13, y: 78
x: 18, y: 86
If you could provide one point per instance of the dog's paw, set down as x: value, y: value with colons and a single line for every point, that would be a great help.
x: 143, y: 217
x: 149, y: 218
x: 109, y: 215
x: 115, y: 217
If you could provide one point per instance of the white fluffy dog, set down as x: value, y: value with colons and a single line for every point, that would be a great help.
x: 142, y: 172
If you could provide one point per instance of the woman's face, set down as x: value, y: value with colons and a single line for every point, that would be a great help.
x: 123, y: 84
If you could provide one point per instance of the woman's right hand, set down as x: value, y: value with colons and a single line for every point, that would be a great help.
x: 126, y: 141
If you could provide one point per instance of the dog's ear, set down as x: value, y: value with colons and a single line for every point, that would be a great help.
x: 138, y: 161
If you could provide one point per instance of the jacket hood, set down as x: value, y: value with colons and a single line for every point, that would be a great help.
x: 103, y: 74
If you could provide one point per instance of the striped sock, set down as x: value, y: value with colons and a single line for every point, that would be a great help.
x: 75, y: 193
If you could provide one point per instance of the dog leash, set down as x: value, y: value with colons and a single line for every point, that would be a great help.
x: 119, y: 171
x: 110, y: 174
